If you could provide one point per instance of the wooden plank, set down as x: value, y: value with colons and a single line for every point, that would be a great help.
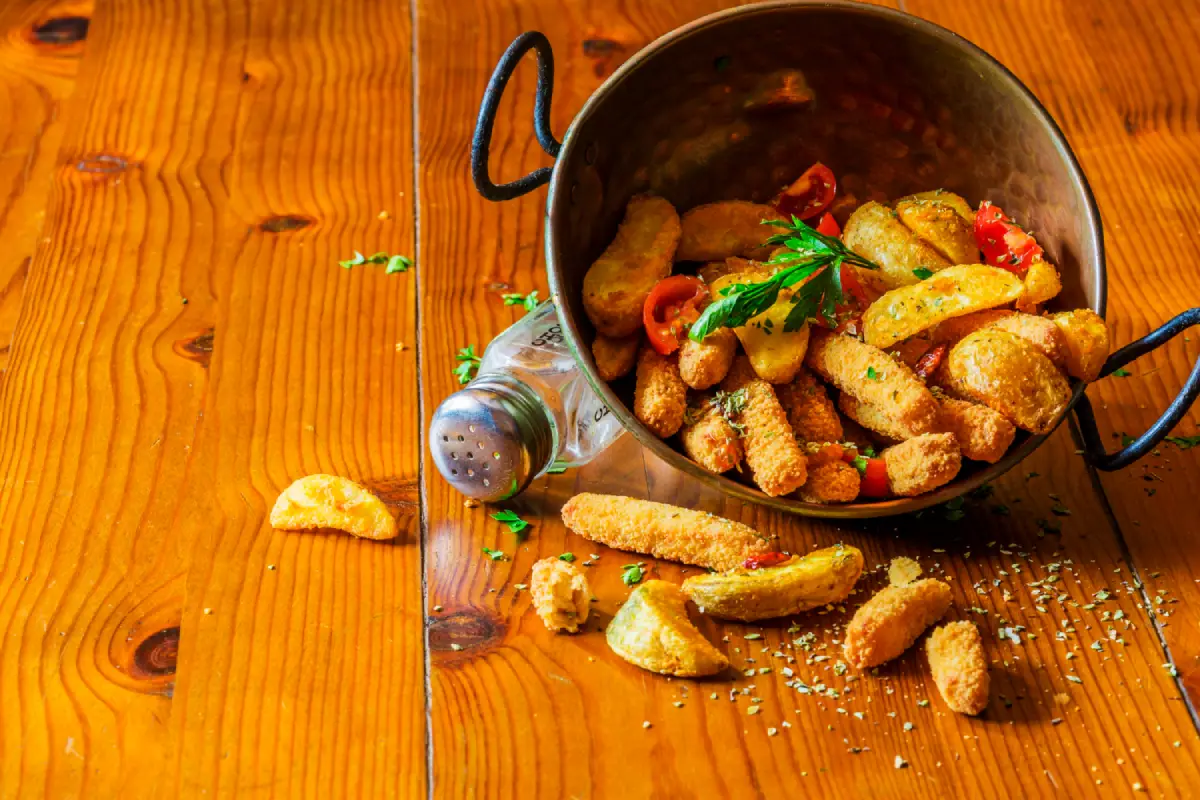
x: 301, y: 662
x: 188, y: 346
x: 519, y: 711
x: 40, y: 45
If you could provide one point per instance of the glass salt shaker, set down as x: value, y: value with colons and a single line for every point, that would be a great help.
x: 528, y: 409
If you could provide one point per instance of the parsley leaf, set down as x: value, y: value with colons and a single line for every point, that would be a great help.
x: 398, y: 264
x: 812, y: 263
x: 952, y: 511
x: 631, y: 574
x: 1126, y: 439
x: 353, y: 262
x: 873, y: 374
x: 494, y: 555
x: 556, y: 470
x: 1184, y: 442
x: 860, y: 464
x: 514, y: 522
x: 394, y: 263
x: 1121, y: 373
x: 567, y: 557
x: 468, y: 364
x: 922, y: 273
x: 529, y: 301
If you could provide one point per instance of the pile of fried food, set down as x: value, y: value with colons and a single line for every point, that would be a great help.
x: 750, y: 580
x: 803, y: 351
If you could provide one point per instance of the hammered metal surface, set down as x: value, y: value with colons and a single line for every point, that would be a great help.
x: 739, y: 104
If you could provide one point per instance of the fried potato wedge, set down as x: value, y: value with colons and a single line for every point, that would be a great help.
x: 1041, y: 285
x: 1086, y: 335
x: 617, y: 284
x: 719, y: 230
x: 560, y: 593
x: 327, y: 501
x: 775, y: 354
x: 615, y: 357
x: 953, y: 292
x: 955, y: 201
x: 941, y: 224
x: 652, y: 631
x: 876, y: 232
x: 1008, y: 374
x: 799, y: 584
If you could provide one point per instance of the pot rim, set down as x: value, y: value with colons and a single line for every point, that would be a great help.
x: 660, y: 448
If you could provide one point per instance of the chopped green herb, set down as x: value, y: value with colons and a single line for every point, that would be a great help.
x: 567, y: 557
x: 398, y: 264
x: 1184, y: 442
x: 922, y: 273
x: 731, y: 405
x: 556, y: 470
x: 1126, y: 439
x: 1121, y: 373
x: 1031, y: 475
x: 1060, y: 510
x: 1001, y: 510
x: 631, y: 574
x: 952, y: 511
x: 515, y: 523
x: 468, y: 364
x: 1074, y: 679
x: 1171, y: 670
x: 494, y: 555
x: 353, y: 262
x: 869, y: 452
x: 872, y: 374
x: 529, y: 301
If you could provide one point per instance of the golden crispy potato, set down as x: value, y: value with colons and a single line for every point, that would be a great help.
x: 772, y: 453
x: 799, y: 584
x: 1008, y: 374
x: 810, y: 411
x: 982, y: 433
x: 922, y: 463
x: 652, y: 631
x: 719, y: 230
x: 876, y: 232
x: 1040, y: 332
x: 874, y: 377
x: 1041, y: 285
x: 831, y: 482
x: 615, y: 357
x: 704, y: 364
x: 953, y: 292
x: 560, y: 593
x: 1086, y: 335
x: 959, y: 666
x: 660, y: 395
x: 663, y: 531
x: 940, y: 224
x: 775, y: 354
x: 708, y: 438
x: 951, y: 330
x: 956, y: 202
x: 903, y: 570
x: 617, y: 284
x: 327, y: 501
x: 888, y: 624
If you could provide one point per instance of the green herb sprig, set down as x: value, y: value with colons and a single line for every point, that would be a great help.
x: 512, y: 520
x: 528, y: 301
x: 633, y: 573
x: 811, y: 259
x: 394, y: 263
x: 468, y: 364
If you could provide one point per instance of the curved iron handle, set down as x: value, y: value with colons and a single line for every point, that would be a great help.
x: 1093, y: 447
x: 541, y: 117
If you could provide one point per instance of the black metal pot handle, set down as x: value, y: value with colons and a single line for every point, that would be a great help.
x: 541, y: 117
x: 1093, y: 447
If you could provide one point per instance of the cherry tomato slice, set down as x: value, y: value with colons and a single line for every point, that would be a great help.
x: 928, y: 363
x: 673, y: 304
x: 1003, y: 242
x: 765, y: 560
x: 874, y: 478
x: 810, y: 194
x: 828, y: 226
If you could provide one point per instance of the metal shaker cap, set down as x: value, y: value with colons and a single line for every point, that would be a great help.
x: 492, y: 438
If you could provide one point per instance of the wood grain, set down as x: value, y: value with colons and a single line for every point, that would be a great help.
x: 187, y: 346
x: 519, y: 711
x: 40, y: 45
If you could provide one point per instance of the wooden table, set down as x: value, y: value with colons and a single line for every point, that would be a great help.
x: 178, y: 181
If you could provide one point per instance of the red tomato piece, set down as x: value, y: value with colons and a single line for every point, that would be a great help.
x: 810, y: 194
x: 1004, y: 243
x: 929, y: 363
x: 673, y: 304
x: 852, y: 287
x: 765, y: 560
x: 828, y: 226
x: 874, y: 478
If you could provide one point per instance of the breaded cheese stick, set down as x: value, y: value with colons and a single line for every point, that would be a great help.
x: 663, y: 531
x: 959, y: 666
x: 873, y: 377
x: 708, y: 438
x: 660, y: 396
x: 705, y: 364
x: 879, y: 419
x: 615, y: 357
x: 775, y: 459
x: 560, y: 594
x: 887, y: 624
x: 616, y: 285
x: 982, y: 434
x: 810, y: 411
x: 922, y: 464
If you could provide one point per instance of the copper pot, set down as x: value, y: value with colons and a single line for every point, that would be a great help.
x: 736, y: 104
